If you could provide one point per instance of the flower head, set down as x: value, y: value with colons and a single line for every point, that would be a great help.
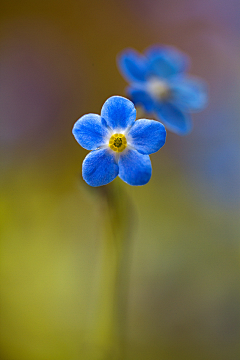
x: 159, y: 83
x: 121, y: 145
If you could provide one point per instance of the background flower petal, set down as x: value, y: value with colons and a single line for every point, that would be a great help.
x: 189, y: 94
x: 99, y: 167
x: 166, y: 61
x: 141, y: 97
x: 147, y: 136
x: 89, y: 131
x: 174, y: 119
x: 135, y: 168
x: 118, y: 112
x: 132, y: 65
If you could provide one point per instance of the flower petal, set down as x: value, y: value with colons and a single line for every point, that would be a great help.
x: 174, y: 119
x: 99, y: 167
x: 90, y: 132
x: 166, y: 61
x: 132, y: 65
x: 189, y: 94
x: 147, y: 136
x: 134, y: 168
x: 141, y: 97
x: 118, y: 113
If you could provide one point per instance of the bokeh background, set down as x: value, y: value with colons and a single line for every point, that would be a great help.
x: 58, y: 62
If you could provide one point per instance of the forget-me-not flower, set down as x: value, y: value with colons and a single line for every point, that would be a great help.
x: 160, y: 84
x: 120, y: 145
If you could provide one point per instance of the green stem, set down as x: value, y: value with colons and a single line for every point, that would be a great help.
x: 109, y: 334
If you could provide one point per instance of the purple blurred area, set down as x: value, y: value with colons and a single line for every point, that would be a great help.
x: 57, y: 63
x: 174, y: 12
x: 38, y: 83
x: 208, y: 31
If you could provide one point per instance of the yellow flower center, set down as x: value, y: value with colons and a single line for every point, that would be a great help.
x: 118, y: 142
x: 158, y: 88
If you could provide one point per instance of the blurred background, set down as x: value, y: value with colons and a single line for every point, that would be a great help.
x: 58, y: 62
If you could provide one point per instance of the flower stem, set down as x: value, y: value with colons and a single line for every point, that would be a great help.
x: 109, y: 334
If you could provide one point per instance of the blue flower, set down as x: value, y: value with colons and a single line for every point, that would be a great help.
x: 121, y: 145
x: 159, y: 83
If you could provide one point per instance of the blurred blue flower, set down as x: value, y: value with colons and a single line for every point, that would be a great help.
x: 121, y: 145
x: 159, y: 83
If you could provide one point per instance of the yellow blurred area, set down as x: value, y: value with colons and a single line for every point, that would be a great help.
x: 58, y: 62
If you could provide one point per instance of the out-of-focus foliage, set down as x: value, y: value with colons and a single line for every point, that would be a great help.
x: 57, y: 62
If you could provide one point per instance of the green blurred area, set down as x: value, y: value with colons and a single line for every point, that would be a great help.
x: 58, y: 63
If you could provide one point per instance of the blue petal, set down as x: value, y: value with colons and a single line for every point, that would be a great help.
x: 174, y: 119
x: 134, y: 168
x: 89, y: 131
x: 132, y: 65
x: 189, y: 94
x: 118, y: 113
x: 99, y: 167
x: 166, y: 61
x: 141, y: 97
x: 147, y: 136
